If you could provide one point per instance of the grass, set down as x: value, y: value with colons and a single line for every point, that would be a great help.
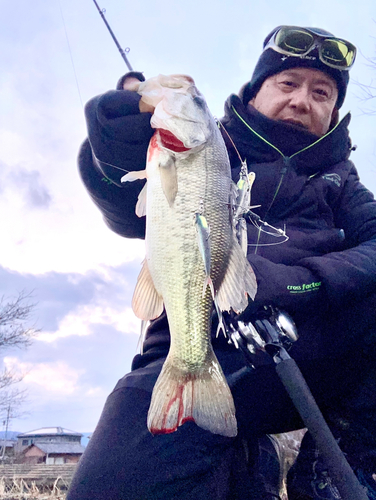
x: 18, y: 489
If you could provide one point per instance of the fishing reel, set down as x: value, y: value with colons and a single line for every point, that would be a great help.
x: 271, y: 334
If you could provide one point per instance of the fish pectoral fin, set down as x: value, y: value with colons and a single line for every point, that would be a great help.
x: 238, y: 283
x: 146, y: 303
x: 141, y: 202
x: 169, y: 179
x: 134, y: 176
x: 203, y: 397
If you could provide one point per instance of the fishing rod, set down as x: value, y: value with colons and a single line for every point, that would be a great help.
x: 272, y: 333
x: 122, y: 52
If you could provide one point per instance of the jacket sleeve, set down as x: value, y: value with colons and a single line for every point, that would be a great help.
x: 332, y: 280
x: 350, y: 275
x: 118, y: 138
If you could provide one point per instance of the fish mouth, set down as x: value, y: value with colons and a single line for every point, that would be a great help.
x: 170, y: 141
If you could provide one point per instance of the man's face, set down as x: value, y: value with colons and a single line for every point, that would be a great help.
x: 304, y: 97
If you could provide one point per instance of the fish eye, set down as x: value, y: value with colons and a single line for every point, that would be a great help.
x: 200, y: 101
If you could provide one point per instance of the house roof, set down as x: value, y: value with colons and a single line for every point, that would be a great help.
x: 9, y: 443
x: 49, y: 431
x: 59, y: 448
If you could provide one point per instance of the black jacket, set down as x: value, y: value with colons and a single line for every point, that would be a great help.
x: 325, y: 274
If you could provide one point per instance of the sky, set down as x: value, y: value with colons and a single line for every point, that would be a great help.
x: 57, y: 54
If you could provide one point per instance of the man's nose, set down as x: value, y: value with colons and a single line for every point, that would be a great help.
x: 300, y: 98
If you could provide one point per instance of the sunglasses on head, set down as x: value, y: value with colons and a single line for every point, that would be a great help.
x: 299, y: 42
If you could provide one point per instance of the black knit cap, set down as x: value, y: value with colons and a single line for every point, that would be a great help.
x: 272, y: 62
x: 130, y: 74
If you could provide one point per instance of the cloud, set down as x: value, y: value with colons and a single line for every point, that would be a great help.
x: 81, y: 321
x: 35, y: 194
x: 88, y: 339
x: 68, y: 380
x: 95, y: 392
x: 57, y: 378
x: 71, y: 301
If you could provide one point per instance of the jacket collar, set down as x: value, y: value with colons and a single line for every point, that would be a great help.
x: 260, y: 139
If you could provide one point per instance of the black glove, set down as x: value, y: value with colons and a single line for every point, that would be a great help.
x: 290, y: 288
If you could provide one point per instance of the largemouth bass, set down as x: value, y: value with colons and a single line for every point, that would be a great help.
x: 192, y: 255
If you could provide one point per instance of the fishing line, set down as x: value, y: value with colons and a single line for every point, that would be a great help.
x: 70, y: 53
x: 108, y: 164
x: 220, y: 125
x: 277, y: 234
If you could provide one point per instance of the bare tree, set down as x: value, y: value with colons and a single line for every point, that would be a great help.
x: 15, y: 314
x: 368, y: 92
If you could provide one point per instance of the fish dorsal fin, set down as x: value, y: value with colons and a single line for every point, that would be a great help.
x: 141, y: 202
x: 146, y: 303
x: 169, y: 179
x: 238, y: 283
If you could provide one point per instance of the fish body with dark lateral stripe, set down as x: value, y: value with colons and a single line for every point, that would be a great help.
x: 189, y: 175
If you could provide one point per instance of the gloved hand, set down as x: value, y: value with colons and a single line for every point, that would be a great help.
x: 290, y: 288
x: 131, y: 81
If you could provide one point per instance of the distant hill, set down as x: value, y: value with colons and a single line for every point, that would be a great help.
x: 14, y: 434
x: 85, y: 438
x: 10, y: 434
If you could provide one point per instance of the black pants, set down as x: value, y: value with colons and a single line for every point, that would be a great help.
x: 123, y: 461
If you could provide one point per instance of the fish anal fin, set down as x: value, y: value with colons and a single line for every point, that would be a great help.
x: 238, y: 283
x: 141, y: 340
x: 169, y: 178
x: 146, y: 303
x: 202, y: 397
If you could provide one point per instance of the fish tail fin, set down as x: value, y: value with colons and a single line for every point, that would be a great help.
x: 202, y: 397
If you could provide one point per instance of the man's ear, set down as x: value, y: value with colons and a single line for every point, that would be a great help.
x: 335, y: 118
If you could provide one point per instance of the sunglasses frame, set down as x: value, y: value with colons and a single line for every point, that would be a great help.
x: 317, y: 42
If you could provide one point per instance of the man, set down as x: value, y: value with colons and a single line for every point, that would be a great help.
x: 285, y: 124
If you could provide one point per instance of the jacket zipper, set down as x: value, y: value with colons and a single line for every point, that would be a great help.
x: 286, y: 160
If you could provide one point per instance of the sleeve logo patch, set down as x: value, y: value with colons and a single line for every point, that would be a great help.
x: 305, y: 287
x: 332, y: 178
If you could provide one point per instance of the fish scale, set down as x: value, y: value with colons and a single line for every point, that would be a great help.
x: 187, y: 310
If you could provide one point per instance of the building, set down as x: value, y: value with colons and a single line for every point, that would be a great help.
x: 49, y: 445
x: 7, y: 448
x: 59, y: 453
